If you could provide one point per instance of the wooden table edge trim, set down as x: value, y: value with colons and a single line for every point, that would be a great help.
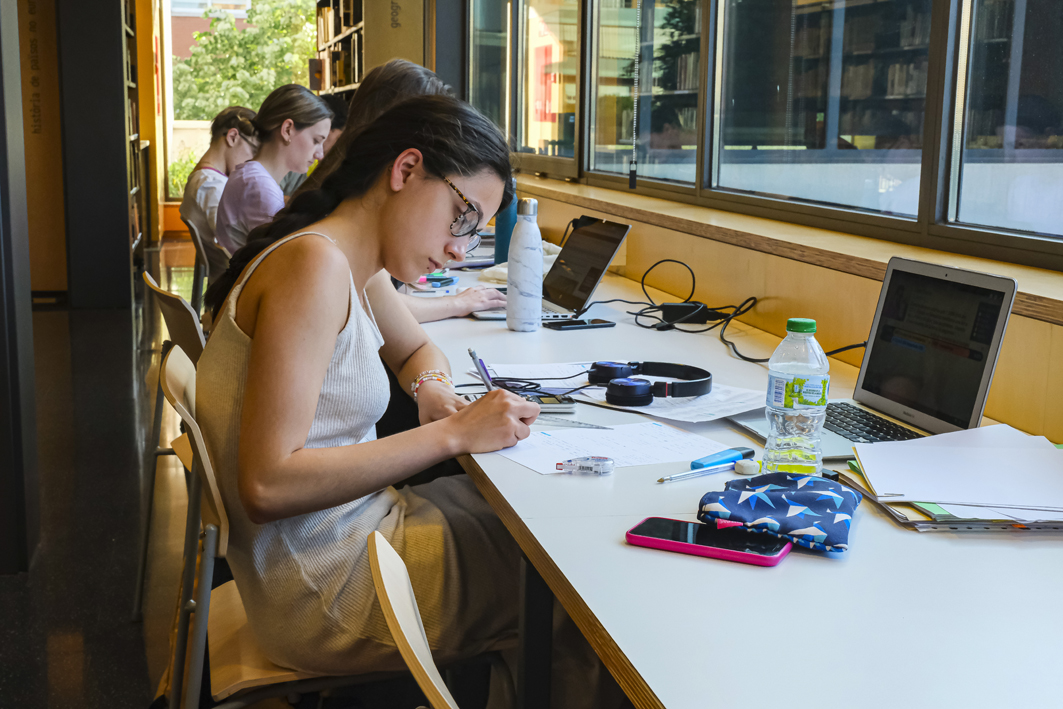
x: 1031, y: 305
x: 629, y: 679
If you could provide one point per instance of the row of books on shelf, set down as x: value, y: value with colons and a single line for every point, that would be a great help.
x: 993, y: 20
x: 686, y: 72
x: 862, y: 35
x: 915, y: 29
x: 906, y: 79
x: 334, y: 21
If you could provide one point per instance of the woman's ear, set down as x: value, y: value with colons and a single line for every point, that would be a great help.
x: 232, y: 136
x: 287, y: 131
x: 408, y: 162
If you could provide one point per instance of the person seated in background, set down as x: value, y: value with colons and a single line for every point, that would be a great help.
x: 291, y: 383
x: 292, y: 126
x: 338, y: 104
x: 232, y: 143
x: 382, y: 88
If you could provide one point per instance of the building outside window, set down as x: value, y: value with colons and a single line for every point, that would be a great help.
x: 489, y: 59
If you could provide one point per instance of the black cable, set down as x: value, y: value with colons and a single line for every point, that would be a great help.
x: 847, y: 347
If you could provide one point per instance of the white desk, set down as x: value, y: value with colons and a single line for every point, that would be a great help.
x: 903, y: 618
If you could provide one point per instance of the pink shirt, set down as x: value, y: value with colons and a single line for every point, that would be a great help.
x: 251, y: 198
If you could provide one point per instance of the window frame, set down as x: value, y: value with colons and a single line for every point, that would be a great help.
x: 547, y: 165
x: 944, y: 115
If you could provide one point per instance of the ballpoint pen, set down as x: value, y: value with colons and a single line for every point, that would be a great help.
x: 715, y: 463
x: 481, y: 369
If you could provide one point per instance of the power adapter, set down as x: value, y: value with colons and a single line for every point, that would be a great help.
x: 691, y: 313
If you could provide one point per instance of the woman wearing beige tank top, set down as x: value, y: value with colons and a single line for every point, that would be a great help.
x: 291, y: 384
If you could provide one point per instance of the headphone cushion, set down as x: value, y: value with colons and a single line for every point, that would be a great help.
x: 629, y: 392
x: 605, y: 372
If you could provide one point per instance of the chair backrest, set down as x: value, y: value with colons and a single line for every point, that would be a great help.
x: 178, y: 377
x: 197, y: 242
x: 395, y: 593
x: 181, y: 320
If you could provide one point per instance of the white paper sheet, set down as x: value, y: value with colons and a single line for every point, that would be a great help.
x: 1029, y: 478
x: 722, y: 401
x: 631, y: 444
x: 997, y: 436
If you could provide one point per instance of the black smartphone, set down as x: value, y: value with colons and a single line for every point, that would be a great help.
x: 578, y: 324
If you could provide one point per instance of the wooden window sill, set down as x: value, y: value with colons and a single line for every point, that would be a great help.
x: 1040, y: 294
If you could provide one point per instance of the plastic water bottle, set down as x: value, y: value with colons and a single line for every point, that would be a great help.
x: 504, y: 223
x: 798, y: 384
x: 524, y: 278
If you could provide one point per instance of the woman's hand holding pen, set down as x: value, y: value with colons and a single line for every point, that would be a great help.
x: 497, y: 420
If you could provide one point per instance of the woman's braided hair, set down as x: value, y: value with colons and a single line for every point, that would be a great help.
x: 452, y: 137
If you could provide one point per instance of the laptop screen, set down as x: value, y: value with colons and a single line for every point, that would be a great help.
x: 582, y: 263
x: 933, y: 343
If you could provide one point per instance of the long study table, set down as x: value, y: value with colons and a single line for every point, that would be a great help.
x: 902, y: 618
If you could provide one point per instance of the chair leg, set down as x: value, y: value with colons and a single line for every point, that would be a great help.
x: 151, y: 455
x: 202, y: 611
x: 187, y: 604
x: 197, y: 286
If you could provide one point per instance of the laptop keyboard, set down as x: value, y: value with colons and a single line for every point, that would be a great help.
x: 862, y: 426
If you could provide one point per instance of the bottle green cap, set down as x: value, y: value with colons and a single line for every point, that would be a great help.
x: 800, y: 325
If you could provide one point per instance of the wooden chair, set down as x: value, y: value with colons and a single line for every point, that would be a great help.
x: 211, y: 261
x: 239, y: 671
x: 183, y: 326
x: 395, y: 592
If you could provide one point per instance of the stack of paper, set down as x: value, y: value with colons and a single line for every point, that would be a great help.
x: 995, y: 472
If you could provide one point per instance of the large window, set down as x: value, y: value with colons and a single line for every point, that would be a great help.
x: 933, y: 122
x: 549, y: 92
x: 489, y: 57
x: 1010, y: 151
x: 824, y: 101
x: 668, y: 33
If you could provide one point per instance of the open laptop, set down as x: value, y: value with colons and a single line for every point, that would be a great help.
x: 577, y: 271
x: 929, y: 360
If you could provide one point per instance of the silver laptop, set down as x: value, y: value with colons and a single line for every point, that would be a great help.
x: 577, y: 271
x: 928, y: 363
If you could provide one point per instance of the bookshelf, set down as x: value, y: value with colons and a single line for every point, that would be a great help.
x: 876, y: 95
x: 136, y: 149
x: 340, y: 60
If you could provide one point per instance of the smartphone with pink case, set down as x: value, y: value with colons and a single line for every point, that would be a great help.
x: 730, y: 543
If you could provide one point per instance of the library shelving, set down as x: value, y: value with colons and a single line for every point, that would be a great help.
x: 338, y: 66
x: 136, y: 149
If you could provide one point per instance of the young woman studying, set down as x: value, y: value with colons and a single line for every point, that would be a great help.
x: 292, y: 126
x: 232, y: 143
x: 382, y: 88
x: 291, y: 383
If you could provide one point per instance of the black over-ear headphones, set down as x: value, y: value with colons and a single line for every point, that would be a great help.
x: 622, y: 390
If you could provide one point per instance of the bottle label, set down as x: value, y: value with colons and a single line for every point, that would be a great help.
x: 790, y: 392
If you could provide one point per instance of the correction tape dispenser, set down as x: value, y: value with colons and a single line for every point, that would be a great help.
x: 590, y: 465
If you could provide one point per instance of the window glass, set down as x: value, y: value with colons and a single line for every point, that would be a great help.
x: 1011, y: 169
x: 489, y: 60
x: 550, y: 92
x: 823, y: 101
x: 669, y: 72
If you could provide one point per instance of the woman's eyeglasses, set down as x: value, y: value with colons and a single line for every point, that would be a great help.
x: 467, y: 223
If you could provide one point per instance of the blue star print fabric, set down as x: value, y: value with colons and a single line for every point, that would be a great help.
x: 811, y: 511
